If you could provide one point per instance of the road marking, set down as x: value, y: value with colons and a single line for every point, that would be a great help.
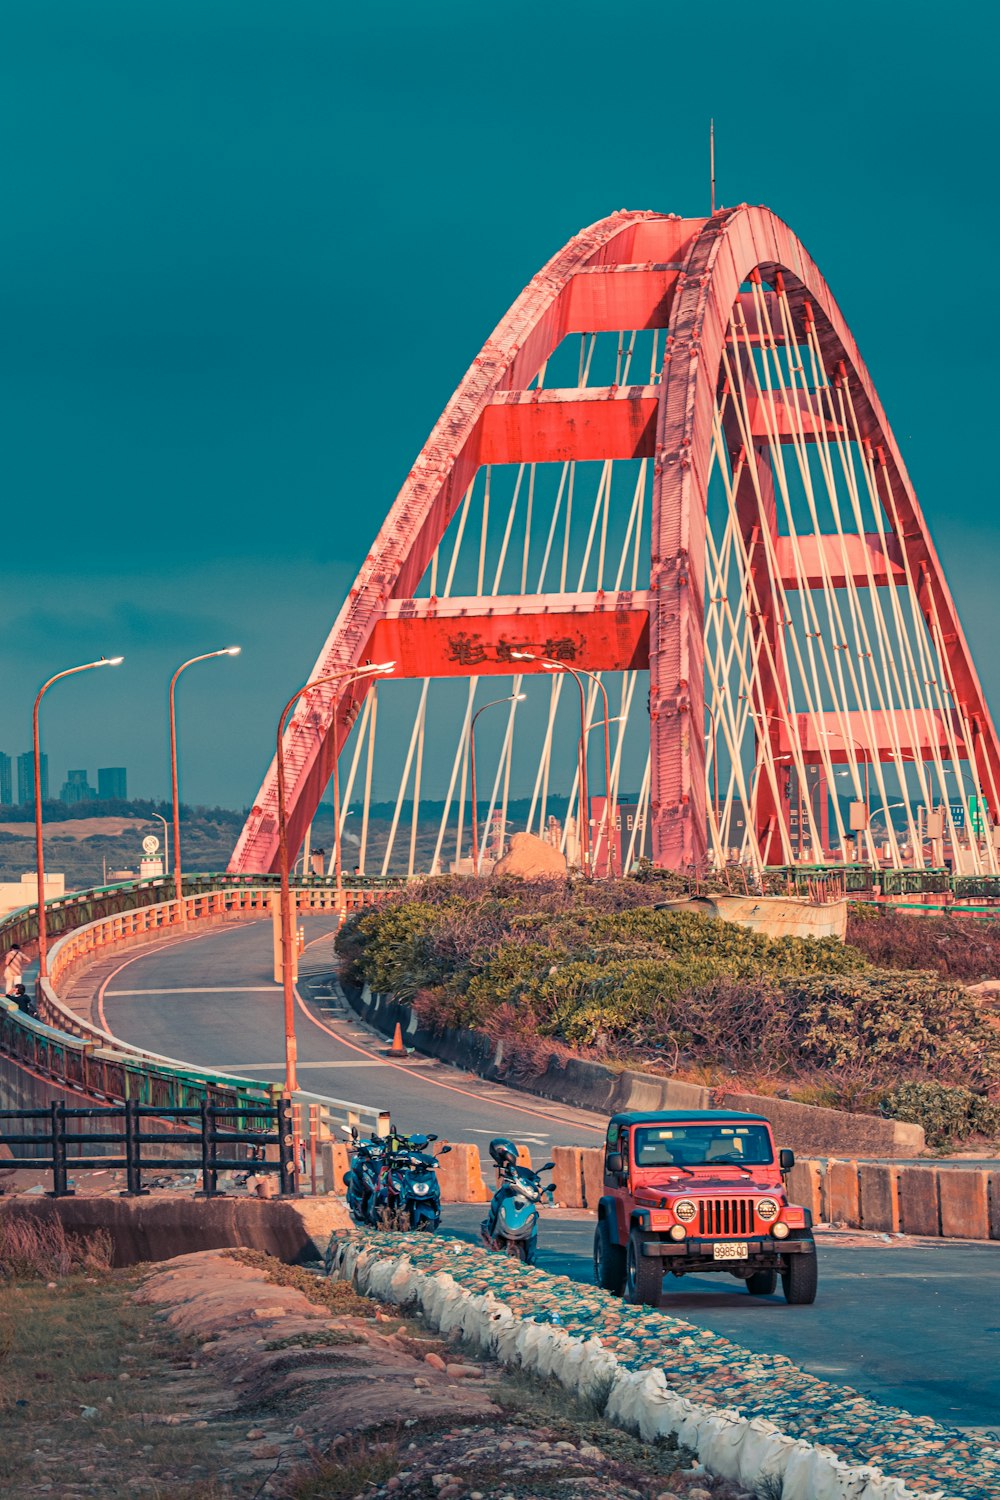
x: 451, y: 1088
x: 206, y: 989
x: 304, y: 1067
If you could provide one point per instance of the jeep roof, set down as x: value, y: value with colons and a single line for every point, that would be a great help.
x: 681, y: 1116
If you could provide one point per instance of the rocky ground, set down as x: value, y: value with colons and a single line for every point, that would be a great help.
x: 226, y: 1375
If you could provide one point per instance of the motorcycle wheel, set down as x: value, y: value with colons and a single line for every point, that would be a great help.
x: 517, y: 1250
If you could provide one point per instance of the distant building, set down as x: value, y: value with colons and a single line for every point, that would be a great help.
x: 26, y: 777
x: 6, y: 782
x: 76, y: 788
x: 111, y: 784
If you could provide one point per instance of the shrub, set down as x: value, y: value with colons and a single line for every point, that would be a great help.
x: 956, y: 947
x: 947, y: 1112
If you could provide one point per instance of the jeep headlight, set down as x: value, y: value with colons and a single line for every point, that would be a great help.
x: 780, y: 1231
x: 685, y: 1210
x: 767, y: 1209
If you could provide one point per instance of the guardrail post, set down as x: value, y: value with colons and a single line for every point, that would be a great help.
x: 133, y: 1153
x: 286, y: 1147
x: 209, y: 1184
x: 60, y: 1179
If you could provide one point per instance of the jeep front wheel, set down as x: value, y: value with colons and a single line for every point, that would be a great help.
x: 609, y: 1261
x: 800, y: 1279
x: 643, y: 1274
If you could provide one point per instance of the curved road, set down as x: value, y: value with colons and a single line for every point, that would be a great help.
x: 913, y: 1324
x: 211, y: 1000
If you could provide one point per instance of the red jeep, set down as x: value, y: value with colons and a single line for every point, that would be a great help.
x: 694, y: 1191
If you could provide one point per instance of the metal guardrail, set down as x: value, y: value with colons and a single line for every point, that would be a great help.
x: 203, y: 1127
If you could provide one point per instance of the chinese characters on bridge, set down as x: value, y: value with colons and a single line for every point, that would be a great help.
x: 472, y: 651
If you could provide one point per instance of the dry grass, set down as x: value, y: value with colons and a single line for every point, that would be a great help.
x: 34, y: 1247
x: 63, y: 1353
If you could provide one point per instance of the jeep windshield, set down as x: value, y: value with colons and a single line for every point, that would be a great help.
x: 703, y: 1146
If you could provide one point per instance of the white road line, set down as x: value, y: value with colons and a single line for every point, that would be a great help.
x: 214, y: 989
x: 304, y: 1067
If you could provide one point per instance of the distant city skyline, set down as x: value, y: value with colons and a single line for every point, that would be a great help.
x: 112, y: 782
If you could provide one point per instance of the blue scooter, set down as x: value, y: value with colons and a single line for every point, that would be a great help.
x: 511, y: 1226
x: 407, y: 1192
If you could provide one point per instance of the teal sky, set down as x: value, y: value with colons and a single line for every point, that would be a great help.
x: 249, y: 249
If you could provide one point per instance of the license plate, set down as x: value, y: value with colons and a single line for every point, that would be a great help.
x: 732, y: 1250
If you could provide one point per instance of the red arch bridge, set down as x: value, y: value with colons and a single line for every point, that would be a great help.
x: 668, y: 470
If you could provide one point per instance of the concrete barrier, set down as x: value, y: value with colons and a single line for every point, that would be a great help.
x: 919, y: 1211
x: 994, y: 1185
x: 461, y: 1176
x: 805, y: 1187
x: 965, y: 1210
x: 593, y: 1175
x: 569, y: 1176
x: 879, y: 1197
x: 841, y: 1197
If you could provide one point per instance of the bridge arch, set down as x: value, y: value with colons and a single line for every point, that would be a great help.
x: 731, y: 294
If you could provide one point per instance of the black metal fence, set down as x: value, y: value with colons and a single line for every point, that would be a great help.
x: 201, y: 1140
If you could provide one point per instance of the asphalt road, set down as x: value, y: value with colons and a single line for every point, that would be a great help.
x: 211, y: 1000
x: 908, y: 1325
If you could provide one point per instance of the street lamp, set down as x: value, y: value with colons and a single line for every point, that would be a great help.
x: 579, y: 674
x: 114, y: 661
x: 207, y: 656
x: 349, y: 675
x: 166, y: 841
x: 510, y: 698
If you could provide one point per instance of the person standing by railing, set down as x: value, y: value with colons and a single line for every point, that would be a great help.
x: 14, y: 962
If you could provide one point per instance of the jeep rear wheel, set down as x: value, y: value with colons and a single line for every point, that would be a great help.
x: 800, y: 1280
x: 643, y: 1274
x: 762, y: 1283
x: 609, y: 1261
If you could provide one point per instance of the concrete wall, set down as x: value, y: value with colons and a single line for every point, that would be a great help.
x: 162, y: 1226
x: 773, y: 916
x: 595, y: 1086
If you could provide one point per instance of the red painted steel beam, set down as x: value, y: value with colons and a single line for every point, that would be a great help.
x: 789, y: 416
x: 554, y: 426
x: 862, y: 558
x: 826, y: 733
x: 604, y: 299
x: 465, y: 638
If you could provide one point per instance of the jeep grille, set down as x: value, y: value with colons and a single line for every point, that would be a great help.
x: 725, y: 1216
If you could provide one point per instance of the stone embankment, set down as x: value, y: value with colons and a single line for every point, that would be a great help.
x: 753, y: 1418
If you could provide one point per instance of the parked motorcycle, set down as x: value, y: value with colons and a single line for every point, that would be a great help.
x: 407, y: 1193
x: 511, y: 1225
x: 392, y: 1182
x: 362, y: 1177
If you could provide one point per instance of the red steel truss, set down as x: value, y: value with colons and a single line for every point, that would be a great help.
x: 728, y: 292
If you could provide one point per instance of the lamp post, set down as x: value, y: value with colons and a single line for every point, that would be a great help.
x: 349, y: 675
x: 166, y: 841
x: 561, y: 666
x: 510, y: 698
x: 614, y: 846
x: 206, y: 656
x: 114, y: 661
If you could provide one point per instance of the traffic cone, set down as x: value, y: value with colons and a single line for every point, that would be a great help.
x: 397, y: 1049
